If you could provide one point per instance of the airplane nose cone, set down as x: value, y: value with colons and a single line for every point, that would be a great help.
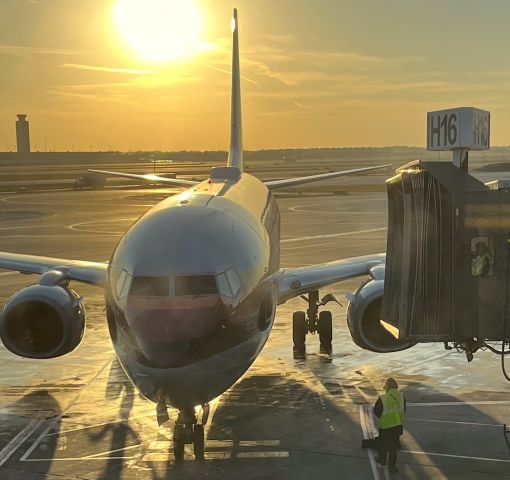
x: 172, y: 333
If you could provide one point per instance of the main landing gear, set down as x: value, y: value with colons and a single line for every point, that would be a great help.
x: 188, y: 430
x: 311, y: 322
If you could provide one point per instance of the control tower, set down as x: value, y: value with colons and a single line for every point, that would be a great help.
x: 22, y: 134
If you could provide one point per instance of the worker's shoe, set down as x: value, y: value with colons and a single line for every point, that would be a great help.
x: 392, y: 469
x: 379, y: 461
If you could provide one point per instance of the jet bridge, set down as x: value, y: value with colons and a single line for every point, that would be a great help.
x: 447, y: 274
x: 447, y: 261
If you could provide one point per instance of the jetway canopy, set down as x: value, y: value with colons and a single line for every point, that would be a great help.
x: 447, y: 262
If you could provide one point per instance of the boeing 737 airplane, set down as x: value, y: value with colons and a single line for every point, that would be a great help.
x: 191, y: 290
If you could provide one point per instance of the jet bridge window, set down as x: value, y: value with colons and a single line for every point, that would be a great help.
x: 150, y: 286
x: 195, y: 285
x: 482, y: 257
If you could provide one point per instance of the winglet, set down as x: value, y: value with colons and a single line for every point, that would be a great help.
x: 235, y: 155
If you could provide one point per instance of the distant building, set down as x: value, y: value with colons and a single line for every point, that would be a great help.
x: 22, y: 134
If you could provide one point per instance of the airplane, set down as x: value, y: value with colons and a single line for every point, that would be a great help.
x: 191, y: 290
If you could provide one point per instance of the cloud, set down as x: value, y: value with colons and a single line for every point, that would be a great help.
x: 229, y: 72
x: 96, y: 68
x: 28, y: 51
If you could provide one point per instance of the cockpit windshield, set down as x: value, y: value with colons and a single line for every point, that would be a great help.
x: 195, y: 285
x: 150, y: 286
x: 227, y: 284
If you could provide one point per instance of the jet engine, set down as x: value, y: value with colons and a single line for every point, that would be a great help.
x: 43, y: 321
x: 363, y: 317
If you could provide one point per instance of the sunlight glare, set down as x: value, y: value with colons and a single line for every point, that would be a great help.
x: 159, y: 30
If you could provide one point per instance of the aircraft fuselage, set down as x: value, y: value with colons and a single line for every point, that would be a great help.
x: 190, y: 295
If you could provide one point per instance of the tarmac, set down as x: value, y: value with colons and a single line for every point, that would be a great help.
x: 78, y: 416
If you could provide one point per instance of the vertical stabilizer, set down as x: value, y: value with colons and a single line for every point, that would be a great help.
x: 235, y: 155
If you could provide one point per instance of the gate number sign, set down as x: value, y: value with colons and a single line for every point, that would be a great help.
x: 464, y: 127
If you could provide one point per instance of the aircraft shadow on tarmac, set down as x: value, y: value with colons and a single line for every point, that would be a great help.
x: 121, y: 433
x: 292, y: 426
x: 42, y: 404
x: 269, y: 426
x: 452, y: 436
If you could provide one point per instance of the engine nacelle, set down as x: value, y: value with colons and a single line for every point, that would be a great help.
x: 363, y: 315
x: 42, y: 321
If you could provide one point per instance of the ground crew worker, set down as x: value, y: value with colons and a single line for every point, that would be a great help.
x: 390, y: 409
x: 482, y: 262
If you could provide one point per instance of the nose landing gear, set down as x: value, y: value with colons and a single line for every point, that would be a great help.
x: 311, y: 322
x: 188, y: 431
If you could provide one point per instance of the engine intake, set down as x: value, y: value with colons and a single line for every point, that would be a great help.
x: 363, y: 320
x: 43, y: 321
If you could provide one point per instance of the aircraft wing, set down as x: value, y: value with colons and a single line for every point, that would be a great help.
x: 93, y: 273
x: 290, y: 182
x: 175, y: 182
x: 297, y: 281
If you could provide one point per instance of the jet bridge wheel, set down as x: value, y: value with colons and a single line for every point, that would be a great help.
x: 325, y: 328
x: 299, y: 329
x: 198, y: 442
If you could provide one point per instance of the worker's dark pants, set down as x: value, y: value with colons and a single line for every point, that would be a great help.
x: 387, y: 444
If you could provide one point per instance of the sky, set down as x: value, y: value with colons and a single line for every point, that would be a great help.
x: 327, y: 73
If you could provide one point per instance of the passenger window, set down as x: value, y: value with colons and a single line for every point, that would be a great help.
x: 195, y: 285
x: 150, y: 286
x: 482, y: 257
x: 223, y: 286
x: 234, y: 280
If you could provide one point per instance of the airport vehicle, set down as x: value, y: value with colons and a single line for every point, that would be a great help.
x: 90, y: 180
x: 191, y: 288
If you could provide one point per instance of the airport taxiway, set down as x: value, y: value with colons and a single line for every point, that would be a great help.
x: 78, y: 416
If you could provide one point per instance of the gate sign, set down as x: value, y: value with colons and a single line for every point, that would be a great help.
x: 463, y: 127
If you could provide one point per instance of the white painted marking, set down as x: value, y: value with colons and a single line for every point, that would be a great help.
x: 259, y: 443
x: 79, y: 459
x: 375, y: 432
x: 262, y: 455
x: 19, y: 439
x: 366, y: 436
x: 332, y: 235
x: 167, y: 444
x: 156, y: 457
x: 459, y: 404
x: 105, y: 454
x: 217, y: 455
x: 77, y: 429
x: 335, y: 203
x: 460, y: 423
x: 78, y: 227
x: 40, y: 437
x: 168, y: 457
x: 466, y: 457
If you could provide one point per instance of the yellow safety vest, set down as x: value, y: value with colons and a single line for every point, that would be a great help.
x: 393, y: 413
x: 478, y: 264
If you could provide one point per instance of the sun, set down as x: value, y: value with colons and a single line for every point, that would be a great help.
x: 159, y: 30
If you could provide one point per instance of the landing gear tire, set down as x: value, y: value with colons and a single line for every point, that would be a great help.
x: 178, y: 441
x: 299, y: 330
x: 198, y: 442
x: 325, y: 328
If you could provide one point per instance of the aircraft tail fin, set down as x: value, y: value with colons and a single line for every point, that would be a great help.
x: 235, y: 155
